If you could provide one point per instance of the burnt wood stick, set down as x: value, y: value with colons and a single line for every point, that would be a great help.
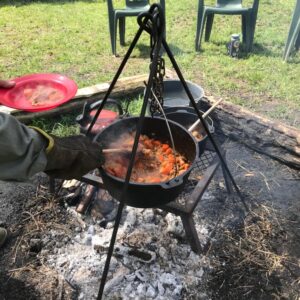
x: 73, y: 197
x: 86, y: 199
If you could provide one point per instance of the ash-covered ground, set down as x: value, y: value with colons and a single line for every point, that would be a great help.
x: 54, y: 253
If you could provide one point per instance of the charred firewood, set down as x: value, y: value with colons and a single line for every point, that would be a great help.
x: 86, y: 199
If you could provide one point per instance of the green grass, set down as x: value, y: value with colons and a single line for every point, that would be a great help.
x: 71, y: 37
x: 66, y: 125
x: 60, y: 126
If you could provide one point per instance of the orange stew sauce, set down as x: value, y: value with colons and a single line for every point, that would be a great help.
x: 155, y: 161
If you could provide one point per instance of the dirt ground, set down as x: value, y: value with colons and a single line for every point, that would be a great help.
x: 256, y: 257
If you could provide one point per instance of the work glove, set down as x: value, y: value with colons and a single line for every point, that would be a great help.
x: 71, y: 157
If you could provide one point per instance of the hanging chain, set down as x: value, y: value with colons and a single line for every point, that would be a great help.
x: 158, y: 78
x: 157, y: 87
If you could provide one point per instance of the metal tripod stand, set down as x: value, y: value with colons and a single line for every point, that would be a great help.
x: 152, y: 22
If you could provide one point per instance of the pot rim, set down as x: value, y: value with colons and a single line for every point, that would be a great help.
x: 208, y: 119
x: 189, y: 82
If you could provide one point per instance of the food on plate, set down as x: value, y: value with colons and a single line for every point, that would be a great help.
x: 42, y: 95
x: 155, y: 161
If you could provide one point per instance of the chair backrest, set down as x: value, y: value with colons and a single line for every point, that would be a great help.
x: 136, y: 3
x: 231, y: 2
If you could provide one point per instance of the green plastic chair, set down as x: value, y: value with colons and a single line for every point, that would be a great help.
x: 293, y: 39
x: 227, y: 7
x: 133, y: 8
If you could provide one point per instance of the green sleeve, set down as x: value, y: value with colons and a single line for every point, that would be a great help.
x: 22, y: 150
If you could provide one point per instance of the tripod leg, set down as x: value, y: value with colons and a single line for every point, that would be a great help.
x: 191, y: 233
x: 192, y: 100
x: 116, y: 77
x: 230, y: 190
x: 153, y: 71
x: 51, y: 185
x: 227, y: 181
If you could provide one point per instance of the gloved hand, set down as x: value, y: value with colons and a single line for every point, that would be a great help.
x: 71, y: 157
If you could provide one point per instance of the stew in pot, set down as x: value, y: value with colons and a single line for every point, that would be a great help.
x: 155, y: 161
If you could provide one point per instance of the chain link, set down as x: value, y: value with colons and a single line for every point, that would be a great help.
x: 157, y: 87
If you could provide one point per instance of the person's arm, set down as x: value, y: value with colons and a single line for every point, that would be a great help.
x: 22, y: 150
x: 25, y: 151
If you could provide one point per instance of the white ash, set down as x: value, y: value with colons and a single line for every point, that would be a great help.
x: 149, y: 262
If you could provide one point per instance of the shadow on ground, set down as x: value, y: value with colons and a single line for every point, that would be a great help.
x: 145, y: 50
x: 11, y: 288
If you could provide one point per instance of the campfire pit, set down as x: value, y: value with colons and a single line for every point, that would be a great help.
x: 153, y: 22
x: 184, y: 205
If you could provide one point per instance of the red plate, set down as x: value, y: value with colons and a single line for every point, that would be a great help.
x: 38, y: 92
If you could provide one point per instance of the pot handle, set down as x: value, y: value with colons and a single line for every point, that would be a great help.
x: 211, y: 127
x: 172, y: 183
x: 182, y: 110
x: 85, y: 117
x: 109, y: 101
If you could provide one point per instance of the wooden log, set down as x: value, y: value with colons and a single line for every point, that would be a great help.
x: 272, y: 138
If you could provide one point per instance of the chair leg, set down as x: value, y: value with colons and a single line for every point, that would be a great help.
x: 252, y: 32
x: 287, y: 44
x: 297, y: 12
x: 209, y: 23
x: 293, y: 41
x: 248, y: 32
x: 253, y: 18
x: 114, y: 37
x: 297, y: 45
x: 200, y: 26
x: 244, y: 26
x: 122, y: 30
x: 293, y: 25
x: 112, y: 21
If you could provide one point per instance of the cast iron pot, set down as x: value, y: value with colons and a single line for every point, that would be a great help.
x: 186, y: 116
x: 145, y: 195
x: 174, y: 94
x: 105, y: 118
